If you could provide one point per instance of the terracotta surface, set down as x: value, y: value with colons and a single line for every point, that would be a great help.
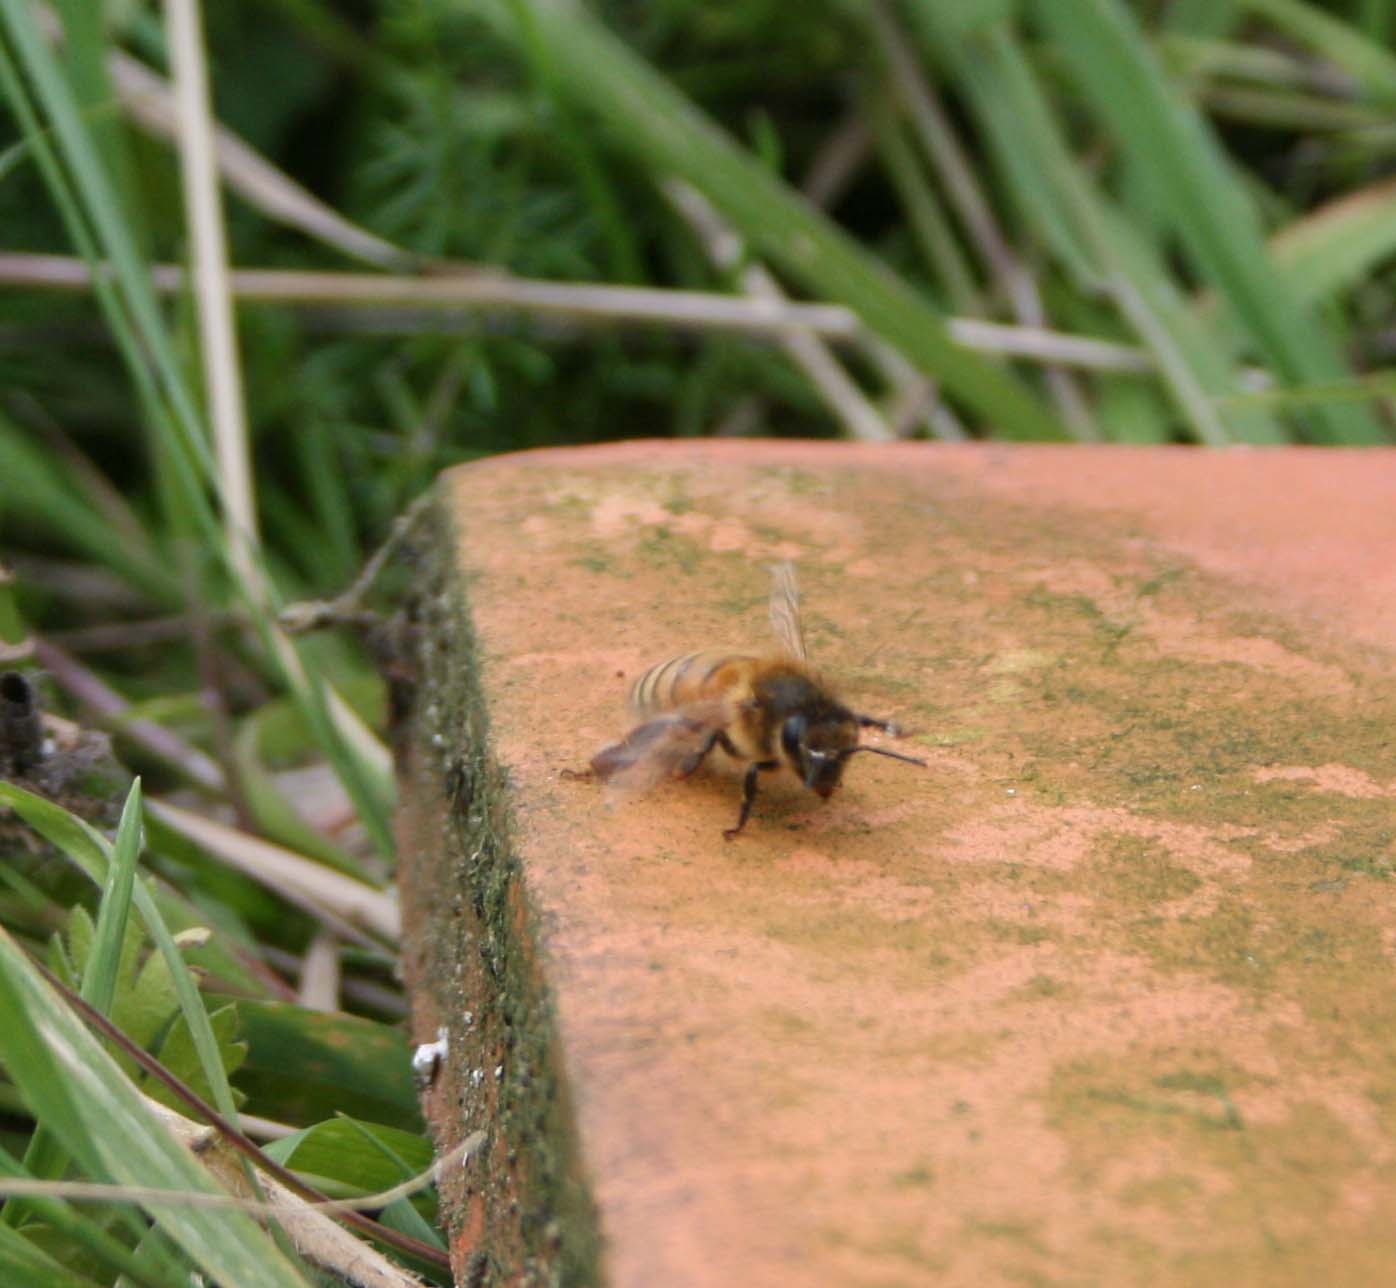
x: 1105, y: 995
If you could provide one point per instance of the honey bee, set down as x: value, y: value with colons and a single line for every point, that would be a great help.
x: 767, y: 712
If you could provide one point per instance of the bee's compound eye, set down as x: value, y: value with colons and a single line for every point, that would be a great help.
x: 792, y: 735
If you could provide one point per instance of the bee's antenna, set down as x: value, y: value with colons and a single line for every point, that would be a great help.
x: 894, y: 755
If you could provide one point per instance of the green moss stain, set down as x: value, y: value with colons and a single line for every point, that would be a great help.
x: 920, y: 1177
x: 1043, y: 988
x: 1136, y: 875
x: 661, y: 547
x: 540, y: 1220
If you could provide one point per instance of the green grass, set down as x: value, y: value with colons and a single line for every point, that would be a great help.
x: 1207, y: 188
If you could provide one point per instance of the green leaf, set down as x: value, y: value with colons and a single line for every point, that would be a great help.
x: 1192, y: 185
x: 86, y: 847
x: 668, y: 132
x: 144, y: 999
x: 148, y: 1001
x: 1340, y: 244
x: 76, y: 1090
x: 179, y: 1056
x: 359, y: 1157
x: 25, y: 1265
x: 275, y: 816
x: 400, y: 1215
x: 101, y: 971
x: 299, y: 1061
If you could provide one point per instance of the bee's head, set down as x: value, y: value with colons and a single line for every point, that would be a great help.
x: 818, y: 749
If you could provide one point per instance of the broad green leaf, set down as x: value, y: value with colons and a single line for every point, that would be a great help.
x: 401, y: 1215
x: 299, y: 1061
x: 360, y: 1157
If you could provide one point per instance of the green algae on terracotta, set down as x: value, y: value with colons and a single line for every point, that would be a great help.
x: 477, y: 977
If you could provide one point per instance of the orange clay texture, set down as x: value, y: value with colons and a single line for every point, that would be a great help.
x: 1106, y: 994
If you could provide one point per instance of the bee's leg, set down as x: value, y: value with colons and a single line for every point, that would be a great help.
x: 872, y: 722
x: 748, y: 795
x: 718, y: 739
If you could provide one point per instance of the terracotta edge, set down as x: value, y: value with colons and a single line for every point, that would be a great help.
x: 520, y: 1208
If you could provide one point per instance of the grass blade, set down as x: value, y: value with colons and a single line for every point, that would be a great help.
x: 23, y: 1264
x: 1338, y: 245
x: 101, y: 230
x: 77, y: 1090
x: 84, y: 1232
x: 1190, y: 183
x: 1095, y: 239
x: 1373, y: 67
x: 671, y: 135
x: 45, y: 1157
x: 99, y: 980
x: 92, y: 853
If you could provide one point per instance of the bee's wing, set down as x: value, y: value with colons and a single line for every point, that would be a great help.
x: 785, y: 610
x: 669, y: 746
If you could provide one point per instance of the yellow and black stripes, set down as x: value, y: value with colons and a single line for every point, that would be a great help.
x: 691, y: 677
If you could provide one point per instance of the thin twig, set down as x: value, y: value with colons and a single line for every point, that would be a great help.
x: 106, y: 1192
x: 347, y: 608
x: 687, y: 310
x: 839, y: 158
x: 320, y: 974
x: 342, y: 903
x: 112, y: 708
x: 860, y: 418
x: 964, y: 193
x: 110, y: 637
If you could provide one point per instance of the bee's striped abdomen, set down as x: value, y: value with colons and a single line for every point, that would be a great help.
x: 693, y: 677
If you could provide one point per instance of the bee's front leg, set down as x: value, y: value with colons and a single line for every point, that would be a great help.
x: 748, y: 795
